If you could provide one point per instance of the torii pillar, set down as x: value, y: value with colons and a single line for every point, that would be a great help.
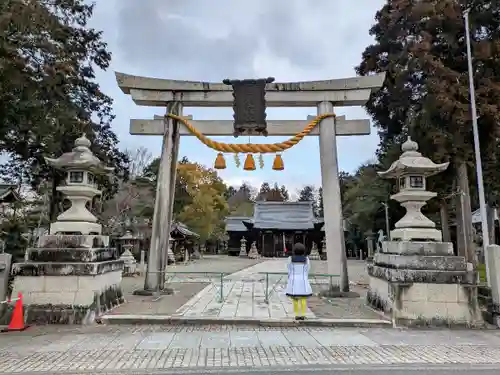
x: 324, y: 95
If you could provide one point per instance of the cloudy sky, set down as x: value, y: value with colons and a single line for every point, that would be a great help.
x: 215, y: 39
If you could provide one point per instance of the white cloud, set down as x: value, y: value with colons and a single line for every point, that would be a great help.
x: 211, y: 40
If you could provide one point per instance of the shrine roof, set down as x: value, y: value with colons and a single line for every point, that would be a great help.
x: 284, y: 215
x: 128, y: 82
x: 183, y: 229
x: 235, y: 223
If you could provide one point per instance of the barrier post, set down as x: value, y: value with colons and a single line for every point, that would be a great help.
x: 221, y: 287
x: 266, y: 294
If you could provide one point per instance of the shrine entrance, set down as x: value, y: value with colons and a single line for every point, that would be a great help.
x: 249, y: 98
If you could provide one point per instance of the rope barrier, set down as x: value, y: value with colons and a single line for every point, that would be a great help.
x: 251, y: 147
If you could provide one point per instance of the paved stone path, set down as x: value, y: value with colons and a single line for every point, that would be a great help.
x: 244, y: 296
x: 243, y: 292
x: 186, y: 284
x: 126, y: 348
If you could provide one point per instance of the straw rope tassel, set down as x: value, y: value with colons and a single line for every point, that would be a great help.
x: 251, y: 148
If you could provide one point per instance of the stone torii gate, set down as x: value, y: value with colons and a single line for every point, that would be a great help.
x: 174, y: 94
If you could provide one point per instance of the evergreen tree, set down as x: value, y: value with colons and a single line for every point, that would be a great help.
x: 320, y: 210
x: 307, y: 194
x: 275, y: 194
x: 421, y: 48
x: 48, y: 93
x: 264, y: 191
x: 284, y: 193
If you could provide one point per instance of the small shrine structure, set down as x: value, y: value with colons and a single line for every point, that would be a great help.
x: 73, y: 275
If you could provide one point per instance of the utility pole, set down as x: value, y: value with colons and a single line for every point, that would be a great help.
x: 479, y: 168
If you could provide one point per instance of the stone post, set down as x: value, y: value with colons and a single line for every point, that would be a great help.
x: 369, y: 243
x: 493, y: 256
x: 142, y: 264
x: 157, y: 257
x: 334, y: 229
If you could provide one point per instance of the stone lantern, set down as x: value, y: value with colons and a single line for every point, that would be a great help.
x: 81, y: 167
x: 411, y: 171
x: 129, y: 262
x: 243, y: 247
x: 415, y: 276
x: 73, y: 275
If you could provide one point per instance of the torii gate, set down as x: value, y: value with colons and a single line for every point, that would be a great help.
x: 174, y: 94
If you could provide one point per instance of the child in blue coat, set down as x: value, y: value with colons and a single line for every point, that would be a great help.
x: 298, y: 287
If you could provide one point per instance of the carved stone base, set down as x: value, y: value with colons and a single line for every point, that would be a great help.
x: 65, y: 289
x: 417, y: 248
x: 59, y: 313
x: 84, y: 227
x: 423, y: 289
x: 416, y: 234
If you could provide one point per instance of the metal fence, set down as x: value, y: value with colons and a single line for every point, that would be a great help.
x: 280, y: 279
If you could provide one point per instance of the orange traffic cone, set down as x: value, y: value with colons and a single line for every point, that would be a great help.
x: 17, y: 320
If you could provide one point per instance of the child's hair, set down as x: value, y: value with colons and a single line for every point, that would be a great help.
x: 299, y: 249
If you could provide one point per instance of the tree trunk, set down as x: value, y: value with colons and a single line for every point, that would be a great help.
x: 490, y: 213
x: 464, y: 215
x: 445, y: 227
x: 55, y: 197
x: 344, y: 281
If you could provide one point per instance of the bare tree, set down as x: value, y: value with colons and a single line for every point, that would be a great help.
x: 123, y: 207
x: 139, y: 160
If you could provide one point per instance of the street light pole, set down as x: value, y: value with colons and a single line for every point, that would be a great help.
x: 479, y: 168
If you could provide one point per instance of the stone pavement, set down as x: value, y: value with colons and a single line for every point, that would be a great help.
x: 128, y: 349
x: 186, y: 285
x: 243, y: 296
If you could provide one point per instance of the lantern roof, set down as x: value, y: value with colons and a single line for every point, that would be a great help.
x: 81, y: 157
x: 412, y: 162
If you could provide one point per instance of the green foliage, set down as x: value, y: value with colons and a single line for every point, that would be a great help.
x: 48, y: 93
x: 11, y: 234
x: 363, y: 195
x: 421, y: 48
x: 307, y: 194
x: 274, y: 194
x: 320, y: 210
x: 200, y: 200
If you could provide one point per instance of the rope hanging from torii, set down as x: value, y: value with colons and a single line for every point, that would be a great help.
x: 251, y: 148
